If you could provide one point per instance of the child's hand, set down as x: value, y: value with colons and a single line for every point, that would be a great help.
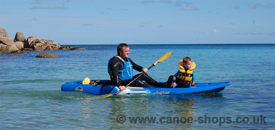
x: 174, y: 85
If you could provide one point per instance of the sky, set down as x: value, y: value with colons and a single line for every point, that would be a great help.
x: 141, y: 21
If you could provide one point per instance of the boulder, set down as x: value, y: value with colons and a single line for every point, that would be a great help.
x: 16, y: 57
x: 6, y: 40
x: 12, y: 48
x: 78, y: 48
x: 3, y: 48
x: 7, y: 45
x: 28, y: 49
x: 19, y: 36
x: 17, y: 51
x: 66, y: 48
x: 51, y: 46
x: 19, y: 45
x: 39, y: 44
x: 46, y: 55
x: 31, y: 41
x: 3, y: 32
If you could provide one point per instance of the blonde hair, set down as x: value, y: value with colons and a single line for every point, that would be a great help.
x: 186, y: 59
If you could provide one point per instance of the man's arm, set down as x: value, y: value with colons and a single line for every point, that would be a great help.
x: 135, y: 66
x: 115, y: 65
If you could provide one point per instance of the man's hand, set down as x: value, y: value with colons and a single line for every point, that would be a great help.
x: 144, y: 70
x: 122, y: 88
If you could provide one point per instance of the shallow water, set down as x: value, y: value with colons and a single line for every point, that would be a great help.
x: 31, y: 97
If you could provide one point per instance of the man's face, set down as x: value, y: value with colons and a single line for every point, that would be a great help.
x: 125, y: 52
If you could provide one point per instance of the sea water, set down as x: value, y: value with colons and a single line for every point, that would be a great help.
x: 31, y: 98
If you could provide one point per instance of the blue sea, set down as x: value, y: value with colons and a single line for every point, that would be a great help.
x: 31, y: 97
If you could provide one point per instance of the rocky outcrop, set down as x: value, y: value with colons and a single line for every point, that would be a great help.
x: 38, y: 44
x: 6, y: 43
x: 46, y: 55
x: 32, y: 43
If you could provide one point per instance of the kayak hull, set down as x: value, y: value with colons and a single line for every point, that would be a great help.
x: 104, y: 88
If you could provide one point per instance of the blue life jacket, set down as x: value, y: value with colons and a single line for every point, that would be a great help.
x: 127, y: 71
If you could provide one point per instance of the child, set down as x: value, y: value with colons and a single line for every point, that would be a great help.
x: 185, y: 76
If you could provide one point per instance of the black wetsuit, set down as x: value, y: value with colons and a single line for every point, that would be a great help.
x: 115, y: 64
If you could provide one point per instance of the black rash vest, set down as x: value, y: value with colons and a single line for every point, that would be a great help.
x: 115, y: 65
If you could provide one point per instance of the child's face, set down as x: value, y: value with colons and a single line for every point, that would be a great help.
x: 188, y: 65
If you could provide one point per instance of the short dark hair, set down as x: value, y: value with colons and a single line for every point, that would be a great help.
x: 120, y: 47
x: 186, y: 59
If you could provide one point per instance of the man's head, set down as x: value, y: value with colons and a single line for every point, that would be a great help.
x: 123, y: 50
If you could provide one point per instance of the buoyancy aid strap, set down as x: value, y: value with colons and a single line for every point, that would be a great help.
x: 120, y: 58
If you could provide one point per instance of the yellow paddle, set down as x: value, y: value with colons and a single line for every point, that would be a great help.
x: 160, y: 59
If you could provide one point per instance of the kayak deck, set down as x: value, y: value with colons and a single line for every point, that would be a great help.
x: 104, y: 88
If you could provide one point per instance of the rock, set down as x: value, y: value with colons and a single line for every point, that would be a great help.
x: 39, y: 44
x: 3, y: 32
x: 19, y: 36
x: 66, y: 48
x: 6, y: 40
x: 12, y: 48
x: 17, y: 51
x: 31, y: 41
x: 7, y: 44
x: 78, y: 48
x: 19, y: 45
x: 16, y: 57
x: 46, y: 55
x: 28, y: 49
x: 3, y: 48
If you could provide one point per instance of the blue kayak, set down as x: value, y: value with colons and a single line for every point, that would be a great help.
x: 104, y: 88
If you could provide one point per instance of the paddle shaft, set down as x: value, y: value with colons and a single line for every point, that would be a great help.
x: 134, y: 79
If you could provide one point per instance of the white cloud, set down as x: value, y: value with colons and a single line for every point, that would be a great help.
x: 255, y: 6
x: 216, y: 31
x: 271, y: 6
x: 188, y: 7
x: 46, y: 6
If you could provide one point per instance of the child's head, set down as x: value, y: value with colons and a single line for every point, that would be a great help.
x: 187, y: 62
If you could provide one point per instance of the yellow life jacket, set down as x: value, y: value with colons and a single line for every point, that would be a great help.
x: 88, y: 81
x: 185, y: 76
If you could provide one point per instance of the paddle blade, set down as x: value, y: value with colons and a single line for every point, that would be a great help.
x: 163, y: 58
x: 109, y: 95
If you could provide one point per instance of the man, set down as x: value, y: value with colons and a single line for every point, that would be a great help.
x: 120, y: 69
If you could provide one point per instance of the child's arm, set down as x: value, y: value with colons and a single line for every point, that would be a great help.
x: 176, y: 75
x: 174, y: 84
